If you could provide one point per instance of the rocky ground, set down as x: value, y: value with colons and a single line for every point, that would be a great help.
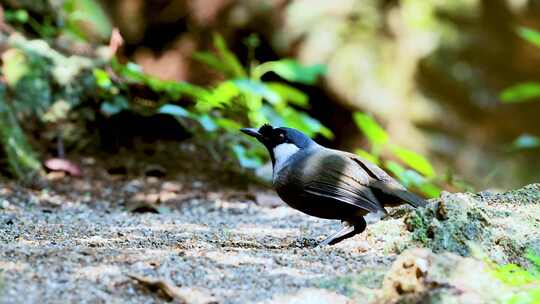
x: 148, y: 240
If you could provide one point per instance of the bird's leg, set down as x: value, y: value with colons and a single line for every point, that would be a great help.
x: 348, y: 230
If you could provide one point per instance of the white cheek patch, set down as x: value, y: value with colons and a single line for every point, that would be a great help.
x: 282, y: 153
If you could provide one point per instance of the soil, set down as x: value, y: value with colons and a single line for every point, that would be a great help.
x: 155, y: 227
x: 83, y: 239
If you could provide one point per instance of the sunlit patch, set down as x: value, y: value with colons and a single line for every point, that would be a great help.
x: 188, y: 227
x: 13, y: 266
x: 236, y: 258
x: 95, y: 273
x: 258, y: 231
x: 26, y: 242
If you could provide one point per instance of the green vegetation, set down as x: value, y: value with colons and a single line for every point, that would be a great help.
x: 524, y: 282
x: 524, y: 92
x: 420, y: 174
x: 243, y: 99
x: 43, y: 84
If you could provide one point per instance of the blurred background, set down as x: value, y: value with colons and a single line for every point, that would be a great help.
x: 442, y: 94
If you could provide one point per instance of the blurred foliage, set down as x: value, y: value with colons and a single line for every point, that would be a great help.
x: 524, y: 92
x: 241, y: 99
x: 82, y: 15
x: 419, y: 174
x: 21, y: 158
x: 377, y: 53
x: 83, y: 20
x: 526, y: 282
x: 57, y: 88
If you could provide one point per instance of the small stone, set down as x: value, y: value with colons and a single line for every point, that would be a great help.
x: 4, y: 204
x: 171, y: 187
x: 197, y: 184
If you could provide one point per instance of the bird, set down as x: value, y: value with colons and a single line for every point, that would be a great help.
x: 329, y: 184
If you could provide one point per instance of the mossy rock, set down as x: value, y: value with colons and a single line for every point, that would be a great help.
x: 504, y: 225
x: 421, y: 276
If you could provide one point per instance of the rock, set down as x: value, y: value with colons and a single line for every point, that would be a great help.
x: 504, y: 225
x: 421, y: 276
x: 310, y: 295
x: 4, y: 204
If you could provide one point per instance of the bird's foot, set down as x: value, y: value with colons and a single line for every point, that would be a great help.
x: 345, y: 232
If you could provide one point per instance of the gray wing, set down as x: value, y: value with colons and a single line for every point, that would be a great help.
x: 385, y: 183
x: 341, y: 179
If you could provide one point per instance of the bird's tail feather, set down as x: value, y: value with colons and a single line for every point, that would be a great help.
x: 411, y: 198
x: 395, y: 189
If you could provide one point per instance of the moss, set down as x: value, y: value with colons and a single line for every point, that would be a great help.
x: 21, y: 158
x: 502, y: 224
x: 37, y: 78
x: 417, y: 225
x: 449, y: 225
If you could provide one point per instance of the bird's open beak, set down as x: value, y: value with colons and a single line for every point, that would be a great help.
x: 251, y: 132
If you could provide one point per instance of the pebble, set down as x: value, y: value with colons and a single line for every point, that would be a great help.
x: 4, y: 204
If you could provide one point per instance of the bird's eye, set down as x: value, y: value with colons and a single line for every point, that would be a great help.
x: 281, y: 136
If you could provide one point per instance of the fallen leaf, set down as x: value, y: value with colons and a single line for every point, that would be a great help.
x: 173, y: 292
x: 115, y: 42
x: 63, y: 165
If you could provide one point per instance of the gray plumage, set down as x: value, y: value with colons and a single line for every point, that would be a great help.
x: 328, y: 183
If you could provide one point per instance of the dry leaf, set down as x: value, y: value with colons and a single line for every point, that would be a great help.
x: 63, y: 165
x: 116, y: 41
x: 173, y: 292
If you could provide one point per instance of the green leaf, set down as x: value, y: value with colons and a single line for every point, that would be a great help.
x: 367, y: 156
x: 429, y: 189
x: 526, y: 141
x: 84, y: 13
x: 530, y: 35
x: 220, y: 96
x: 19, y: 15
x: 290, y: 94
x: 174, y: 110
x: 396, y: 169
x: 173, y: 89
x: 291, y: 70
x: 521, y: 92
x: 230, y: 60
x: 207, y: 123
x: 102, y: 78
x: 210, y: 60
x: 59, y: 110
x: 257, y: 88
x: 115, y: 106
x: 304, y: 122
x: 228, y: 124
x: 244, y: 158
x: 371, y: 129
x: 15, y: 66
x: 411, y: 178
x: 414, y: 160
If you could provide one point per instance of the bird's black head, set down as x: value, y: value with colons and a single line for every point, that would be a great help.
x: 272, y: 138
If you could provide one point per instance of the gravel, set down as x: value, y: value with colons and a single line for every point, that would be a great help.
x: 237, y: 252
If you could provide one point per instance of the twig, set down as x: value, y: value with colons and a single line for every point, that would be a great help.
x: 167, y: 287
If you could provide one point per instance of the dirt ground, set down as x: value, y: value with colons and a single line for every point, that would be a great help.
x: 83, y: 240
x: 139, y: 231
